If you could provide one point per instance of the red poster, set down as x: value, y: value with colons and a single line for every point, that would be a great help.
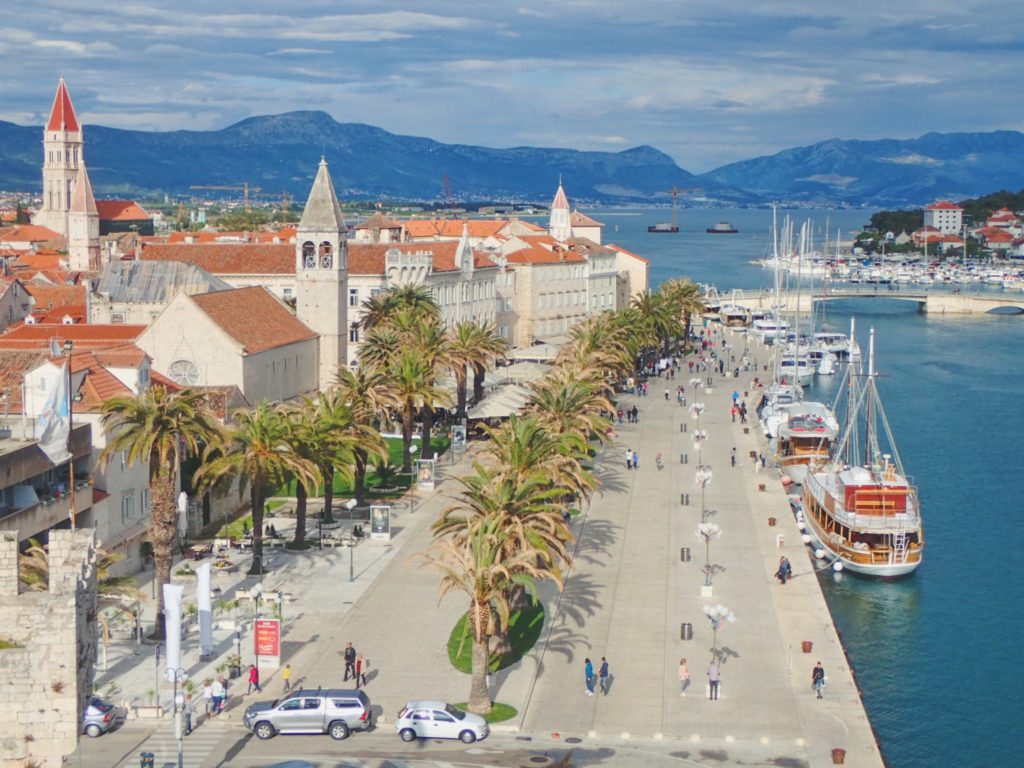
x: 268, y: 637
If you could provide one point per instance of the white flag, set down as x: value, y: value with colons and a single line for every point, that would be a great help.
x: 54, y: 424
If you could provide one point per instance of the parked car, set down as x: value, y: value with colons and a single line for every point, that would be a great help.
x: 336, y: 712
x: 437, y: 720
x: 101, y: 716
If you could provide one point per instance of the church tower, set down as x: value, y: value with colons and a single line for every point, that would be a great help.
x: 62, y: 154
x: 560, y: 226
x: 83, y: 226
x: 321, y: 274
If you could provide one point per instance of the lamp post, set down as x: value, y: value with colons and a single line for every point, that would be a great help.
x: 703, y: 478
x: 238, y: 645
x: 179, y: 714
x: 706, y: 532
x: 716, y: 614
x: 412, y: 479
x: 350, y: 505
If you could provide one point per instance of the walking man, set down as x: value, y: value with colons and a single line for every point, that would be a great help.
x: 254, y: 679
x: 217, y: 693
x: 189, y: 711
x: 713, y: 679
x: 588, y: 672
x: 208, y: 696
x: 733, y: 458
x: 350, y: 661
x: 602, y: 675
x: 818, y: 678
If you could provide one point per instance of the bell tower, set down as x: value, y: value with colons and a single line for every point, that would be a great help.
x: 321, y: 274
x: 560, y: 226
x: 62, y: 154
x: 83, y: 227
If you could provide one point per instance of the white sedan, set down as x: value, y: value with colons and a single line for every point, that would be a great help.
x: 437, y: 720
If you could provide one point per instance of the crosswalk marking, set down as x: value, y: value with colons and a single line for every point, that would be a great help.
x: 196, y: 746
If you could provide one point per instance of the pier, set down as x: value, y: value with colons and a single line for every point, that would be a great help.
x: 940, y: 302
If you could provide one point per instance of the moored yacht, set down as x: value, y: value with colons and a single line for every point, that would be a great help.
x: 805, y: 439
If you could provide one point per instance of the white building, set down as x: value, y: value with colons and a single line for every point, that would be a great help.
x: 945, y: 216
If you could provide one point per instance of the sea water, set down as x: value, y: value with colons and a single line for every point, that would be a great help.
x: 936, y: 655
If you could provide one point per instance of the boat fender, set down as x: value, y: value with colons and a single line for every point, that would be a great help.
x: 820, y: 554
x: 801, y: 525
x: 806, y: 538
x: 837, y: 566
x: 786, y: 481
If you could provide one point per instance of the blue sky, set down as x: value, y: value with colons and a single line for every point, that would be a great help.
x: 707, y: 82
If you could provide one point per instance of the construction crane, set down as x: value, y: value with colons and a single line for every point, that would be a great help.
x: 446, y: 183
x: 674, y: 226
x: 244, y: 188
x: 284, y: 207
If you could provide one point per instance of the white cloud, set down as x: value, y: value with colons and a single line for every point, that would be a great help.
x: 299, y: 52
x: 912, y: 159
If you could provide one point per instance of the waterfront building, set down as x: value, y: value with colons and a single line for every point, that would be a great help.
x: 944, y: 216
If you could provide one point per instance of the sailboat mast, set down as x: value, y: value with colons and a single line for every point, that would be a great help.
x: 869, y: 437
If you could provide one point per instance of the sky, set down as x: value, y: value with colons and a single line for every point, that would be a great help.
x: 709, y: 83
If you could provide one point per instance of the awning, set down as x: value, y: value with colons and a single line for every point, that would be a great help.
x: 520, y: 373
x: 536, y: 352
x: 504, y: 401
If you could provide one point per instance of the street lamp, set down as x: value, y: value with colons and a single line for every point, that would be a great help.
x: 716, y: 614
x: 179, y: 714
x: 350, y: 505
x: 412, y: 479
x: 706, y: 532
x: 238, y: 644
x: 703, y: 477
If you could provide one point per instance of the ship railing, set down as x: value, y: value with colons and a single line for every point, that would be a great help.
x: 906, y: 520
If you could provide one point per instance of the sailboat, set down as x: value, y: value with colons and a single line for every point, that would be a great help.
x: 861, y: 509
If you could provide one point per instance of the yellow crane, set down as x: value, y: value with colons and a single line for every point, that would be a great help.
x: 244, y: 188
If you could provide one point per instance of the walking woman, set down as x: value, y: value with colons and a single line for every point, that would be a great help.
x: 684, y: 677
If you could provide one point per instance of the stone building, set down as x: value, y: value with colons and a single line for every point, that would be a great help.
x: 48, y: 655
x: 62, y: 156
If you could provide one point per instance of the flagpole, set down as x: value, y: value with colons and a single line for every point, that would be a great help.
x: 71, y: 456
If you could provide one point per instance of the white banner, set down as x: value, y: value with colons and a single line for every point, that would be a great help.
x: 172, y: 615
x: 205, y: 604
x: 53, y: 423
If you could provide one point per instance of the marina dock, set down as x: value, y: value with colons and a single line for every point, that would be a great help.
x: 940, y: 302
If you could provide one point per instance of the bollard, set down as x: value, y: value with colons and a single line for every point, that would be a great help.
x: 146, y: 760
x: 682, y: 458
x: 686, y: 631
x: 684, y: 499
x: 684, y: 554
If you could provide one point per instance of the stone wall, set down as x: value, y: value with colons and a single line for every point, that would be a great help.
x: 46, y: 681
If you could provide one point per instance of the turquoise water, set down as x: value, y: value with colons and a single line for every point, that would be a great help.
x: 936, y: 655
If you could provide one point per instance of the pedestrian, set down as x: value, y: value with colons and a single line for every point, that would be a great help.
x: 189, y: 710
x: 208, y: 696
x: 658, y: 462
x: 818, y: 678
x: 620, y: 415
x: 350, y: 661
x: 286, y: 675
x: 254, y: 679
x: 588, y: 672
x: 602, y: 676
x: 763, y: 461
x: 666, y: 393
x: 636, y: 413
x: 785, y: 570
x: 629, y: 458
x: 733, y: 456
x: 361, y: 666
x: 217, y: 696
x: 636, y: 460
x: 713, y: 680
x: 684, y: 677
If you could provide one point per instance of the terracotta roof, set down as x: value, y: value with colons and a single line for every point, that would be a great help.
x: 158, y: 378
x: 224, y: 400
x: 49, y: 296
x: 369, y: 259
x: 578, y: 219
x: 83, y: 336
x: 14, y: 364
x: 943, y: 205
x: 452, y: 228
x: 253, y: 318
x: 77, y: 313
x: 121, y: 210
x: 379, y: 221
x: 37, y: 261
x: 229, y: 258
x: 283, y: 235
x: 62, y: 114
x: 28, y: 233
x: 120, y: 356
x: 538, y: 254
x: 620, y: 249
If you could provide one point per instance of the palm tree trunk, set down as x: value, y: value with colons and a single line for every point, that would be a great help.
x: 163, y: 529
x: 407, y: 417
x: 427, y: 414
x: 460, y: 382
x: 359, y: 476
x: 327, y: 473
x: 479, y: 696
x: 256, y: 500
x: 478, y: 381
x: 300, y: 514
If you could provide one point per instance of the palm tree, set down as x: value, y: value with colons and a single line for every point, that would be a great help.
x: 462, y: 353
x: 258, y: 454
x: 572, y: 401
x: 490, y: 347
x: 411, y: 382
x: 366, y: 393
x: 160, y: 428
x: 380, y: 309
x: 687, y: 300
x: 660, y: 316
x: 474, y: 560
x: 432, y: 341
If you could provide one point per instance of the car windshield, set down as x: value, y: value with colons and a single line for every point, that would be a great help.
x: 455, y: 712
x: 101, y: 705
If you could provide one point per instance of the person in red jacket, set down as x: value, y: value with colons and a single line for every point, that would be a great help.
x: 254, y: 679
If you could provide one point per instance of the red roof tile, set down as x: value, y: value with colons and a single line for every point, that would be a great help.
x: 14, y: 364
x: 121, y: 210
x: 229, y: 258
x: 121, y: 356
x: 253, y: 318
x: 369, y: 259
x: 28, y: 233
x: 62, y: 114
x: 48, y: 297
x: 452, y: 228
x: 83, y: 336
x: 943, y: 205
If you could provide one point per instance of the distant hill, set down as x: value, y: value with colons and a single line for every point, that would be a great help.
x: 280, y: 153
x: 887, y: 172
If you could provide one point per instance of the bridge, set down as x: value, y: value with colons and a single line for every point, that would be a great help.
x: 940, y: 302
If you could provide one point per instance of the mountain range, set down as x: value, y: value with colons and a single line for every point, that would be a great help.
x: 279, y: 153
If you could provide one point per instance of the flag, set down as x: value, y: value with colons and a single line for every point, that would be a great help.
x: 54, y: 422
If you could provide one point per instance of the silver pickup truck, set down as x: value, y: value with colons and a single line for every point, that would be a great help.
x: 336, y: 712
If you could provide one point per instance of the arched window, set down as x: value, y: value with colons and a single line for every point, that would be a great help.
x: 326, y: 255
x: 308, y: 255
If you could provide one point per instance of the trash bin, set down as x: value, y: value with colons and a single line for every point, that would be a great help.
x: 838, y: 756
x: 146, y: 760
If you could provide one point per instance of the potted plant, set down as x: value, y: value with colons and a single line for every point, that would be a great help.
x: 149, y: 709
x: 386, y: 474
x: 234, y: 666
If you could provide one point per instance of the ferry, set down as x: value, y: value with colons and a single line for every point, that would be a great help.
x: 722, y: 228
x: 663, y: 228
x: 863, y: 512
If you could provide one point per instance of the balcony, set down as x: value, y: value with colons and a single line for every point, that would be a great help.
x: 32, y: 512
